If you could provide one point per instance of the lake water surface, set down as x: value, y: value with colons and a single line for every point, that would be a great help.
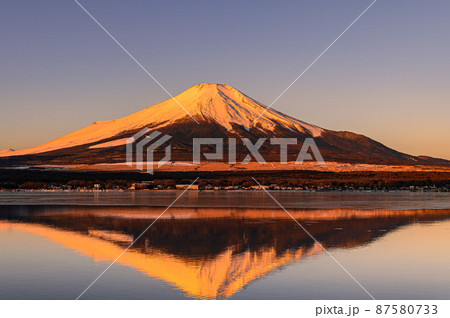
x: 225, y: 245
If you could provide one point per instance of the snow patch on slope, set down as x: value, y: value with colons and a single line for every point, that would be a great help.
x: 114, y: 143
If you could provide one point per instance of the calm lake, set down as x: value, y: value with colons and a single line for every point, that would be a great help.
x: 225, y: 245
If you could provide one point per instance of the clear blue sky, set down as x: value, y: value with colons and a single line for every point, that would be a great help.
x: 388, y: 77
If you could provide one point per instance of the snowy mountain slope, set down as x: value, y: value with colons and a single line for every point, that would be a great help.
x: 218, y: 103
x: 221, y: 111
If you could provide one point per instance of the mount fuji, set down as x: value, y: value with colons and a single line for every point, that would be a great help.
x: 220, y: 111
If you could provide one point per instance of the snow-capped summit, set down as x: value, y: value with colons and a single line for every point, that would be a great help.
x: 225, y: 105
x: 218, y: 103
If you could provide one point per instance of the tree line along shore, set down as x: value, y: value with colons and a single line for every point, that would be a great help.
x: 36, y: 179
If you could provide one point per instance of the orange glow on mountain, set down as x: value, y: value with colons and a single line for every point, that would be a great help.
x: 220, y: 103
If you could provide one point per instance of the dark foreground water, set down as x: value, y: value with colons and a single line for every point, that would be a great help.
x: 236, y: 245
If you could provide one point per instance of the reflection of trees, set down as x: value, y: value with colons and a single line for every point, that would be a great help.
x: 208, y: 237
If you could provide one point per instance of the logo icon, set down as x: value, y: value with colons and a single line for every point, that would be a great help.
x: 144, y: 143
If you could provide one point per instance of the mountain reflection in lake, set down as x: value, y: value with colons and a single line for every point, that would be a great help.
x: 204, y: 253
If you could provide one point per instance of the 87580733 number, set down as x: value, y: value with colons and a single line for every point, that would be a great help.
x: 406, y: 309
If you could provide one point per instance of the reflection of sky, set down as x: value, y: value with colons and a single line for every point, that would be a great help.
x: 33, y: 267
x: 390, y: 67
x: 409, y: 263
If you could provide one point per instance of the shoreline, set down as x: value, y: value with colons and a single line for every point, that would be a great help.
x: 430, y: 190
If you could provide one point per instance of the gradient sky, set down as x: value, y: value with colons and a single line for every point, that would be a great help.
x: 388, y: 77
